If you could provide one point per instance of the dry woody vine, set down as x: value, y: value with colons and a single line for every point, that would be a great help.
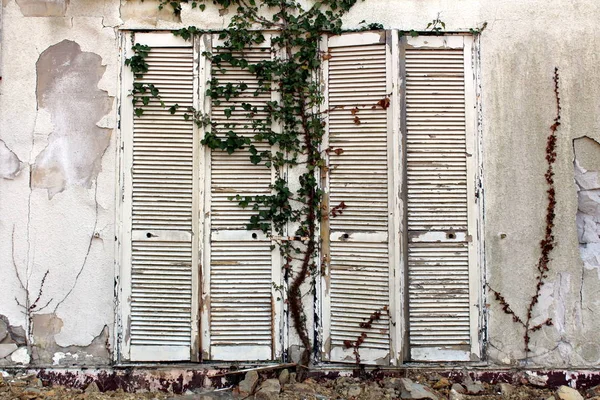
x: 547, y: 244
x: 297, y: 117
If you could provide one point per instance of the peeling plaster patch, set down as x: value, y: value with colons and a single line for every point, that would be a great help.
x: 7, y: 349
x: 43, y: 8
x: 15, y: 334
x: 10, y: 165
x: 59, y: 355
x: 146, y: 12
x: 587, y: 178
x: 590, y: 352
x: 46, y: 351
x: 21, y: 356
x: 67, y: 87
x: 561, y: 292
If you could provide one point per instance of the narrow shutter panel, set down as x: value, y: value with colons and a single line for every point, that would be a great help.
x: 440, y: 199
x: 243, y: 320
x: 160, y: 195
x: 357, y: 286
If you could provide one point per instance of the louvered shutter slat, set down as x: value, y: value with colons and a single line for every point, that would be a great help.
x: 242, y: 308
x: 359, y: 267
x: 437, y: 203
x: 161, y: 192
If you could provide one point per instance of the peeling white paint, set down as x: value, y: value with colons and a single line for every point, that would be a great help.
x: 561, y: 291
x: 21, y: 356
x: 57, y: 357
x: 10, y: 165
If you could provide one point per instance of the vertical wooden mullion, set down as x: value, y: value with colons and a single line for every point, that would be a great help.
x: 126, y: 144
x: 402, y: 298
x: 277, y: 297
x: 472, y: 198
x: 395, y: 180
x: 197, y: 210
x: 325, y: 248
x: 204, y: 76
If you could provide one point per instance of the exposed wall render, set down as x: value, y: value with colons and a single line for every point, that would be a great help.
x: 67, y: 87
x: 587, y: 178
x: 41, y: 348
x: 146, y: 13
x: 10, y: 165
x: 43, y: 8
x: 46, y: 351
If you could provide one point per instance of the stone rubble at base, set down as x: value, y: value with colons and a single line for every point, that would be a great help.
x: 285, y: 387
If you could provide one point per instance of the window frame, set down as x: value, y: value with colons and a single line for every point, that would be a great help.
x: 399, y: 349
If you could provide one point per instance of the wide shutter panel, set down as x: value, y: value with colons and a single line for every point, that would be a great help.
x: 243, y: 320
x: 440, y: 198
x: 357, y: 72
x: 159, y: 201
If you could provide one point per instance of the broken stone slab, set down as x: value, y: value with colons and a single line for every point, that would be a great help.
x: 16, y: 335
x: 473, y: 387
x: 412, y: 390
x: 284, y: 377
x: 248, y: 385
x: 7, y: 349
x: 32, y: 391
x: 300, y: 388
x: 391, y: 383
x: 506, y: 389
x: 92, y: 388
x: 442, y: 383
x: 3, y: 330
x: 353, y: 391
x: 567, y: 393
x: 593, y: 391
x: 454, y: 395
x: 269, y: 386
x: 536, y: 380
x: 36, y: 382
x: 458, y: 388
x: 266, y: 396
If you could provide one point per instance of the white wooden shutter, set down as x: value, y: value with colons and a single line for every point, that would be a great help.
x: 160, y: 196
x: 441, y: 202
x: 360, y: 265
x: 242, y: 317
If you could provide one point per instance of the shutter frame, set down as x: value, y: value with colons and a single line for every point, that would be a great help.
x: 388, y: 349
x: 148, y: 216
x: 471, y: 237
x: 257, y: 245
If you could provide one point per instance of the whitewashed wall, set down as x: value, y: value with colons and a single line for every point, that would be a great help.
x: 60, y: 73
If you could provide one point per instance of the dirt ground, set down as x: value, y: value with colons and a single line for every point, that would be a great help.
x: 27, y: 387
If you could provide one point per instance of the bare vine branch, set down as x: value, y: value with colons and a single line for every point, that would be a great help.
x: 548, y: 243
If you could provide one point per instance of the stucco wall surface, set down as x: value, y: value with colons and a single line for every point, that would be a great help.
x: 58, y: 118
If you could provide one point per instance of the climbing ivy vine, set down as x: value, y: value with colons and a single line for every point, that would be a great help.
x: 297, y: 115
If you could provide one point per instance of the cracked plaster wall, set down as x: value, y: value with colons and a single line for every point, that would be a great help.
x: 522, y: 44
x: 57, y: 102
